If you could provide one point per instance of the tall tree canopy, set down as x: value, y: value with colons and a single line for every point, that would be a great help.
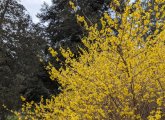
x: 21, y: 42
x: 61, y: 19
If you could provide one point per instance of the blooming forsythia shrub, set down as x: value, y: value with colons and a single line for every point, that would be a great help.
x: 121, y: 76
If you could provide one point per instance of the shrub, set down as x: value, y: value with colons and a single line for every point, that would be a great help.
x: 121, y: 76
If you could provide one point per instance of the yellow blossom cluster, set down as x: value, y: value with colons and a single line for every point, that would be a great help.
x: 120, y: 76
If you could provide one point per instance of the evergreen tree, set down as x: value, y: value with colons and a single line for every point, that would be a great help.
x: 21, y: 42
x: 61, y: 19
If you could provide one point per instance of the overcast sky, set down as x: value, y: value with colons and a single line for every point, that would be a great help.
x: 33, y: 7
